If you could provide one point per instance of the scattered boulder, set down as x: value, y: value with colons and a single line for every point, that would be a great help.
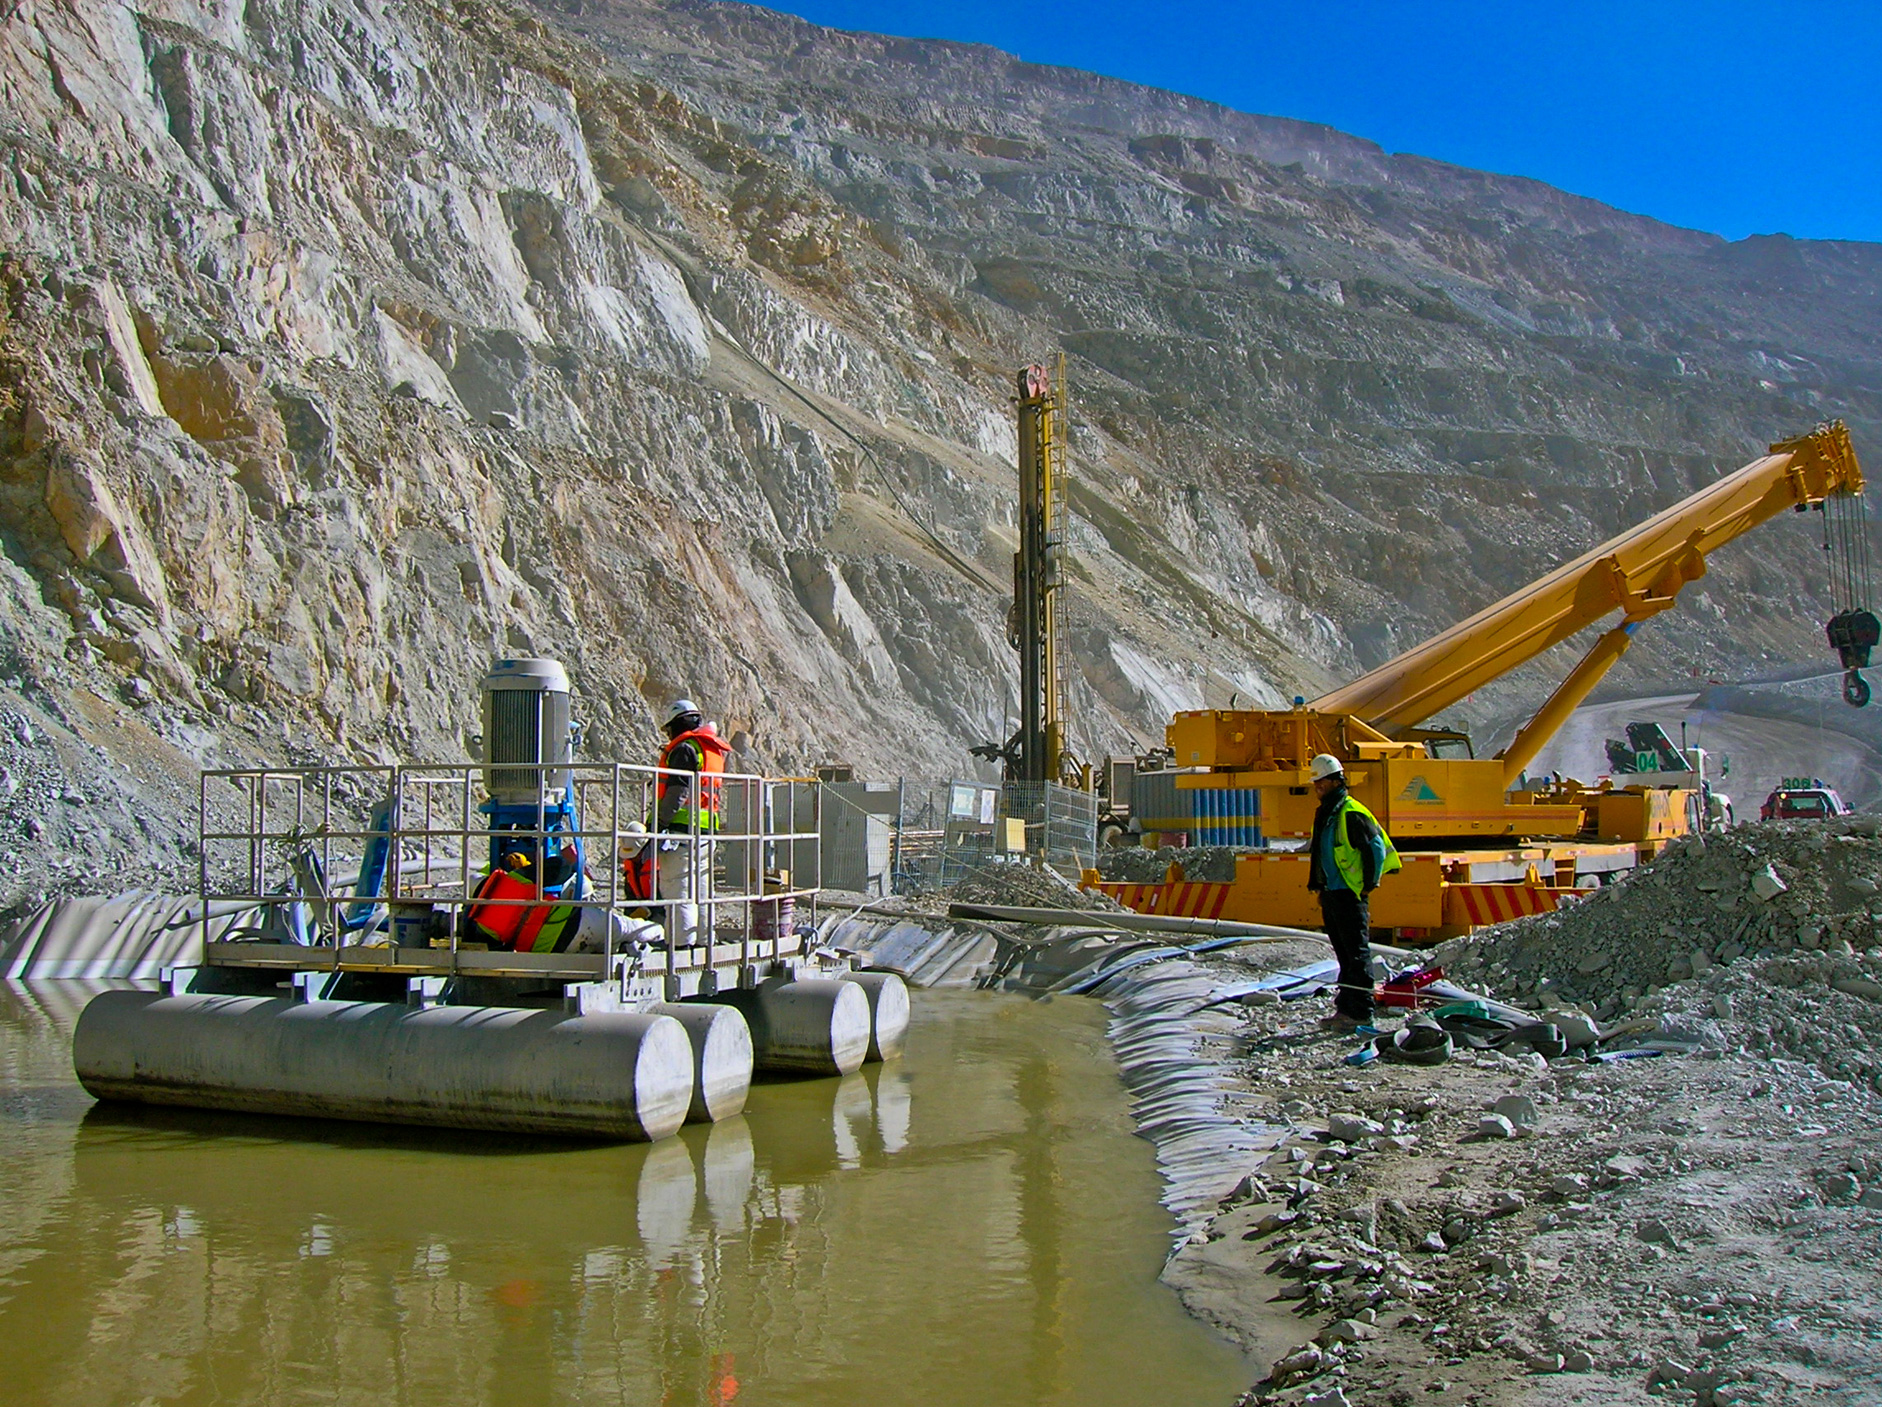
x: 1350, y: 1128
x: 1519, y: 1110
x: 1298, y: 1363
x: 1348, y: 1331
x: 1766, y: 884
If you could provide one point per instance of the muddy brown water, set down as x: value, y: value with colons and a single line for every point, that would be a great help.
x: 972, y: 1224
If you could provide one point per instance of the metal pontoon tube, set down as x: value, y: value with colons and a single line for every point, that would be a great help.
x: 612, y: 1075
x: 817, y: 1026
x: 722, y: 1058
x: 888, y: 1011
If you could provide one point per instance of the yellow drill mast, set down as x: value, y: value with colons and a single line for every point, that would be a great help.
x: 1037, y: 752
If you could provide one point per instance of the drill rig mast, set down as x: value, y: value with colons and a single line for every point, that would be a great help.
x: 1037, y: 750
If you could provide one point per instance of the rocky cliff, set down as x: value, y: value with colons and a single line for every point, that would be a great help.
x: 345, y: 343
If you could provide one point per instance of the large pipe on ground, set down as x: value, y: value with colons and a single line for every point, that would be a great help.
x: 817, y: 1026
x: 611, y: 1075
x: 888, y: 1011
x: 1100, y: 920
x: 722, y: 1058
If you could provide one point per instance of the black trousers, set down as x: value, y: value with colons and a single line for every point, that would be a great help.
x: 1348, y: 926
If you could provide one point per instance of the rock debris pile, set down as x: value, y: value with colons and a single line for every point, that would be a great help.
x: 1698, y: 1229
x: 1136, y: 865
x: 1022, y: 885
x: 1824, y: 1009
x: 75, y: 817
x: 1797, y: 899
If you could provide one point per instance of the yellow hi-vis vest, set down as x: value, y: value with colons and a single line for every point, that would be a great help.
x: 1346, y: 857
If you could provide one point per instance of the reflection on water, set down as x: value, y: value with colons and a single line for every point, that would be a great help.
x: 972, y: 1224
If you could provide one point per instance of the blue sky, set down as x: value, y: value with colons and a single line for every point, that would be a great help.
x: 1738, y: 118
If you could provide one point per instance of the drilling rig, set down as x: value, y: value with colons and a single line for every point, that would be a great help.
x: 1037, y: 750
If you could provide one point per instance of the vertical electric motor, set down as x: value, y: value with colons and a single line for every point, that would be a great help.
x: 526, y: 722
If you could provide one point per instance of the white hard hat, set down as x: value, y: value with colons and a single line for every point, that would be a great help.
x: 680, y: 708
x: 1324, y: 766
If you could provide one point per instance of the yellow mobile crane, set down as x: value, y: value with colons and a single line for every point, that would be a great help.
x: 1480, y: 845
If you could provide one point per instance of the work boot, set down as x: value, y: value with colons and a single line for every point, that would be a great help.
x: 1340, y: 1023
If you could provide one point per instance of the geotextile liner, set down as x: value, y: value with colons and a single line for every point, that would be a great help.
x: 1174, y: 1042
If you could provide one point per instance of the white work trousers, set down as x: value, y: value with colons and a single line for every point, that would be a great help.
x: 685, y: 876
x: 602, y: 930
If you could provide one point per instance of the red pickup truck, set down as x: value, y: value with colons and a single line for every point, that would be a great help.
x: 1802, y: 799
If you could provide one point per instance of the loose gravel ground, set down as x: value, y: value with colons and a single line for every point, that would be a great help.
x: 1701, y: 1227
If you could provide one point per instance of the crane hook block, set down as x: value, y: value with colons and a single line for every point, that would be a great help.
x: 1852, y: 635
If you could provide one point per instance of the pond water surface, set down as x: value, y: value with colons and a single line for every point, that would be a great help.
x: 973, y: 1224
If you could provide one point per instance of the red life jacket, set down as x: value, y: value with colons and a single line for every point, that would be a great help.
x: 637, y: 872
x: 532, y: 926
x: 709, y: 794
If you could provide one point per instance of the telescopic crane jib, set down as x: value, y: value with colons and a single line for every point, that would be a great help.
x: 1640, y: 573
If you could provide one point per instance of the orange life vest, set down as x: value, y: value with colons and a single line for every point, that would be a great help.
x: 637, y: 872
x: 528, y: 926
x: 709, y: 794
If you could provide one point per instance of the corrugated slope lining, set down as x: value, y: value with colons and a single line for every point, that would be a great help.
x: 1173, y: 1048
x: 134, y: 935
x: 1173, y: 1041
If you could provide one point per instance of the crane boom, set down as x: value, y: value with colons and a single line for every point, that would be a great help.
x: 1639, y: 573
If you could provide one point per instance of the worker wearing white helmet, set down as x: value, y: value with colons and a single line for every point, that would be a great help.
x: 1350, y: 854
x: 688, y: 800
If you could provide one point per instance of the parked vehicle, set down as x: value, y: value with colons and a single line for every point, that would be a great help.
x: 1803, y: 799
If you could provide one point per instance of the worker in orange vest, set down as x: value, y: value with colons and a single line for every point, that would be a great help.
x: 689, y: 796
x: 510, y: 911
x: 637, y: 868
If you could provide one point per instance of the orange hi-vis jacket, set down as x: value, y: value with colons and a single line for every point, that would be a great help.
x: 710, y: 793
x: 637, y: 872
x: 530, y: 926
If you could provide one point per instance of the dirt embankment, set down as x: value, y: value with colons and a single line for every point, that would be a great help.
x: 1700, y: 1226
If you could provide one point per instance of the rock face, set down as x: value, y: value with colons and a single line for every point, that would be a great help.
x: 343, y: 346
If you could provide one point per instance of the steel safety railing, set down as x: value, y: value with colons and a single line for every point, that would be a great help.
x: 432, y: 833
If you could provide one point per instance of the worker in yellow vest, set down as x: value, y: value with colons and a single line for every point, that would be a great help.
x: 509, y: 910
x: 1351, y: 854
x: 689, y: 797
